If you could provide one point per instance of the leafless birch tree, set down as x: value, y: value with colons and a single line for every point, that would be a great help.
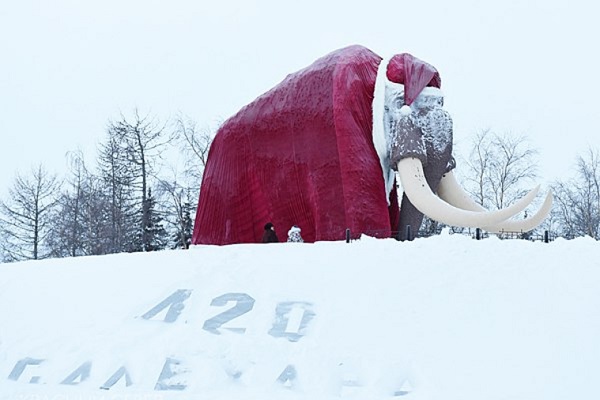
x: 25, y: 216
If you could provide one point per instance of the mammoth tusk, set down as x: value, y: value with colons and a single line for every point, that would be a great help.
x: 420, y: 195
x: 450, y: 191
x: 524, y: 225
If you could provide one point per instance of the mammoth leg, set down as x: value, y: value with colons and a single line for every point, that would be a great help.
x: 409, y: 217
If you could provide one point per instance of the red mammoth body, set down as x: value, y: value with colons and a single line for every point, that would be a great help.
x: 300, y: 154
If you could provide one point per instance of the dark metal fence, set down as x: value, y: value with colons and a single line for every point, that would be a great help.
x: 477, y: 234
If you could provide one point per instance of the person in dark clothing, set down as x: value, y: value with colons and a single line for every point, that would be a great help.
x: 270, y: 236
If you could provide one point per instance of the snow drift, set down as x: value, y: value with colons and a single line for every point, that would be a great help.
x: 484, y: 319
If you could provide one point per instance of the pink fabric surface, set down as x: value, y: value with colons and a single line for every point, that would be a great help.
x: 302, y: 154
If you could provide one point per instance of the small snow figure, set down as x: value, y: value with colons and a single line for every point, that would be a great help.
x: 294, y: 235
x: 269, y: 236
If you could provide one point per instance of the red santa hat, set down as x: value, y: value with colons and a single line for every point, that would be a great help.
x: 414, y: 74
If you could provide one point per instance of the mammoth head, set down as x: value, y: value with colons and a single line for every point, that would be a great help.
x: 422, y: 129
x: 417, y: 143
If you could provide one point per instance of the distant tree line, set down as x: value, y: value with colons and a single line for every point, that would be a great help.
x: 576, y: 209
x: 126, y: 202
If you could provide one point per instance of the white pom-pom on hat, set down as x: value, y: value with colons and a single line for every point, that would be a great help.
x: 405, y: 110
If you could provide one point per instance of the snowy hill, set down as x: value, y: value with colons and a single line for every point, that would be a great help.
x: 440, y: 318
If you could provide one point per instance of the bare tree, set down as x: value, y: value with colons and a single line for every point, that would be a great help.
x: 67, y: 231
x: 81, y: 221
x: 117, y: 184
x: 142, y: 141
x: 4, y: 246
x: 478, y: 164
x: 194, y: 143
x: 577, y: 201
x: 25, y: 216
x: 499, y: 167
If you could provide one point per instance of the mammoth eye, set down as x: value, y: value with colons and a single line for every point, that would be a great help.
x: 398, y: 102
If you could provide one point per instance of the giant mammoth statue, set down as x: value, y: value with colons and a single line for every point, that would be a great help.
x: 322, y: 149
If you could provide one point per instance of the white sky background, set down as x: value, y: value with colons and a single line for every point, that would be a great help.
x: 68, y: 66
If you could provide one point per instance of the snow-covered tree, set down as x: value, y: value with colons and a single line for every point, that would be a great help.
x: 182, y: 238
x: 154, y: 236
x: 176, y: 202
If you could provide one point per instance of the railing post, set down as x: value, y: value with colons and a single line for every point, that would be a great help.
x: 546, y: 237
x: 478, y: 233
x: 408, y: 233
x: 347, y: 235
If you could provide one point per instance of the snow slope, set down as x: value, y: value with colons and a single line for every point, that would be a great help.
x: 441, y: 318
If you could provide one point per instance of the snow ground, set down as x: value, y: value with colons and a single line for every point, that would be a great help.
x: 446, y: 317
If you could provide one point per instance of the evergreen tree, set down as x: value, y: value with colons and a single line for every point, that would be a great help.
x: 155, y: 236
x: 177, y: 203
x: 182, y: 238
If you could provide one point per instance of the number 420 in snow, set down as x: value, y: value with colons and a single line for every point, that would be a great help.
x: 291, y: 317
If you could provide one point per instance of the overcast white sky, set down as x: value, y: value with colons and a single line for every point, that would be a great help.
x: 68, y: 66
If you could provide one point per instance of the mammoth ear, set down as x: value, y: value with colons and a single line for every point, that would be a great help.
x: 407, y: 138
